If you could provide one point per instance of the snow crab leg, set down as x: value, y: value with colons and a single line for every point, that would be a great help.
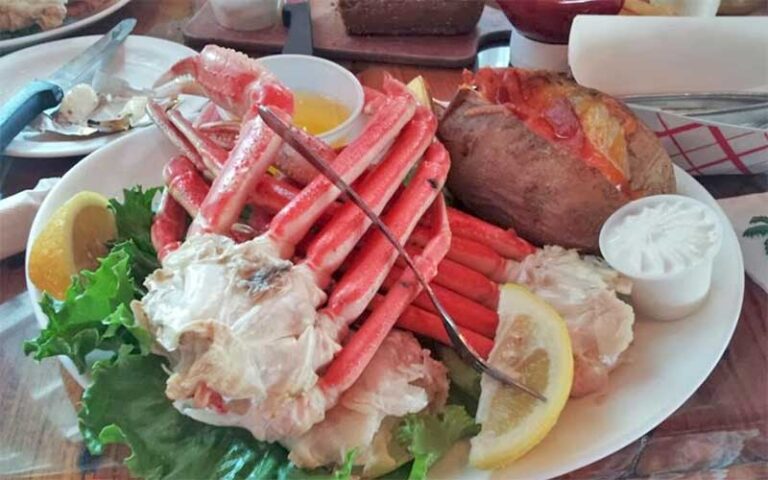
x: 460, y: 283
x: 295, y: 219
x: 465, y: 287
x: 239, y: 84
x: 260, y: 287
x: 169, y: 225
x: 228, y: 195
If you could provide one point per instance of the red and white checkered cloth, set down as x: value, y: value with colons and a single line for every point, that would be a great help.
x: 704, y: 148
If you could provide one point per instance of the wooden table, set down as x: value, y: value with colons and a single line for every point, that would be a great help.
x: 721, y: 432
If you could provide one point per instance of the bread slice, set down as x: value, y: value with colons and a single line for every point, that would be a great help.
x: 410, y: 17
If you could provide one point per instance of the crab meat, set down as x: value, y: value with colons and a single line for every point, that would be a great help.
x: 584, y: 291
x: 241, y: 320
x: 402, y: 378
x: 260, y: 333
x: 215, y: 301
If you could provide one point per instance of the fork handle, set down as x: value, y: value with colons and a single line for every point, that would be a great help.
x: 24, y: 106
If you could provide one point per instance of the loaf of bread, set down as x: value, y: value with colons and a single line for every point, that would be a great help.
x: 410, y: 17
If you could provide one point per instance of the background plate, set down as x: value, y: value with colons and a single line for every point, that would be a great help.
x: 67, y: 27
x: 140, y: 61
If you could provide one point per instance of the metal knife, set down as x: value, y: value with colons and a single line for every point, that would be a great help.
x: 297, y: 17
x: 39, y: 95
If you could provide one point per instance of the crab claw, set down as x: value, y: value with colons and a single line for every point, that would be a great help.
x: 230, y: 79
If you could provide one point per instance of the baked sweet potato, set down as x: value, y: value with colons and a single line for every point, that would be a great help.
x: 536, y: 152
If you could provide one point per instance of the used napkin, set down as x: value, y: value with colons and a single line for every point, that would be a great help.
x: 740, y: 211
x: 16, y: 215
x: 628, y: 55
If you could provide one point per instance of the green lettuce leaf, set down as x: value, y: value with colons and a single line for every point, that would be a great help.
x: 343, y: 472
x: 133, y: 217
x: 126, y: 404
x: 142, y: 263
x: 465, y: 380
x: 428, y: 436
x: 94, y: 315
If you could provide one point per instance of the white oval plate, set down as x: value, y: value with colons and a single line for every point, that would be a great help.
x: 68, y: 26
x: 664, y: 366
x: 140, y: 61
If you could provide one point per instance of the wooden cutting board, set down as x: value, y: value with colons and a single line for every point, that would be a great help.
x: 331, y: 39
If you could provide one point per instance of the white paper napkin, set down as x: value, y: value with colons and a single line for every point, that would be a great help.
x: 740, y: 210
x: 16, y: 215
x: 624, y: 55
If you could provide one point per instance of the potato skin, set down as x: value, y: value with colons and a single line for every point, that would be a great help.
x: 509, y: 175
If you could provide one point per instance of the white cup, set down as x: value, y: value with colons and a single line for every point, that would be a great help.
x: 323, y: 77
x: 246, y: 15
x: 665, y: 295
x: 527, y: 53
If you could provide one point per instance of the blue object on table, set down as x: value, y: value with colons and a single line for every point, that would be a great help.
x: 41, y: 95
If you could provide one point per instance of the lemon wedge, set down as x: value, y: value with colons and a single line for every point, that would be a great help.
x: 420, y: 90
x: 532, y: 344
x: 74, y: 239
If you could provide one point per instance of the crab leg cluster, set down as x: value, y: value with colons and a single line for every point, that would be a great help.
x: 227, y: 165
x: 481, y: 256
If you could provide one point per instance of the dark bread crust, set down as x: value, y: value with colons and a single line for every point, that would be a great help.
x: 410, y: 17
x: 508, y: 175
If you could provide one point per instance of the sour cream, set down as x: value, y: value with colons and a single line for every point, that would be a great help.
x: 666, y: 244
x: 664, y: 238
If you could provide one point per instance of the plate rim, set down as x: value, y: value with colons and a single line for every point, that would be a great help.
x: 11, y: 44
x: 139, y: 41
x: 661, y: 414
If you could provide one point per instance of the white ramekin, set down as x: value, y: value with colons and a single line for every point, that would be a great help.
x: 246, y: 15
x: 317, y: 75
x: 666, y: 296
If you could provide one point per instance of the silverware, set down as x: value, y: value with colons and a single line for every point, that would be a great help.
x: 40, y: 95
x: 291, y: 135
x: 743, y: 109
x: 754, y: 116
x: 112, y: 114
x: 699, y: 103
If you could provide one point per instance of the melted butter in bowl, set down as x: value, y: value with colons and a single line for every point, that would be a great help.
x: 317, y: 113
x: 328, y: 99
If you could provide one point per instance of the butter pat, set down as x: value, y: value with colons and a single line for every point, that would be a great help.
x: 666, y: 244
x: 79, y: 103
x: 246, y: 15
